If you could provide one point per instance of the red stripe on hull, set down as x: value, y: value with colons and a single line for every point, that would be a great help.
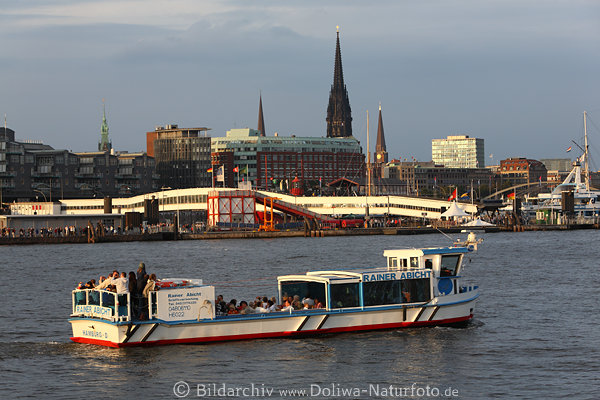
x: 276, y: 334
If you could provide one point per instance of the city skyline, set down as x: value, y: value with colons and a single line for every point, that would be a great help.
x: 517, y: 74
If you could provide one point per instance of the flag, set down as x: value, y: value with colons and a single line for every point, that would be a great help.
x: 236, y: 169
x: 453, y: 195
x: 569, y: 149
x: 511, y: 196
x: 221, y: 174
x: 209, y: 170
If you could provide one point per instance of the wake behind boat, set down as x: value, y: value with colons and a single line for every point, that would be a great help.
x: 419, y: 287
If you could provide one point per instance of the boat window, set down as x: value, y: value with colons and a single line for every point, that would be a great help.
x: 404, y: 263
x: 449, y: 265
x: 344, y: 295
x: 428, y: 263
x: 381, y: 292
x: 316, y: 290
x: 392, y: 263
x: 414, y: 262
x: 415, y: 290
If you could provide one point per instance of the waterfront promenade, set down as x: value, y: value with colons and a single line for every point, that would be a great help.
x: 167, y: 236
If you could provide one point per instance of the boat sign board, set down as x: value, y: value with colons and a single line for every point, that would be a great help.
x: 190, y: 303
x: 94, y: 311
x: 394, y: 276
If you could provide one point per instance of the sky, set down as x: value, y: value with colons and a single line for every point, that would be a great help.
x: 517, y: 73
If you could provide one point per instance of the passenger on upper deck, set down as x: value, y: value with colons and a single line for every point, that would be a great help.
x: 286, y: 306
x: 121, y: 284
x: 108, y: 281
x: 308, y: 301
x: 150, y: 285
x: 142, y: 278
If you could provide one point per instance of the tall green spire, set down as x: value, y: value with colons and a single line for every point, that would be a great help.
x: 104, y: 144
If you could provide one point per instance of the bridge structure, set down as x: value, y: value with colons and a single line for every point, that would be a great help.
x: 316, y: 207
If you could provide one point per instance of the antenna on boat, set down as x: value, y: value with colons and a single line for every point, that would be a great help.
x: 448, y: 236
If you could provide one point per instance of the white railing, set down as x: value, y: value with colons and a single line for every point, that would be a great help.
x: 101, y: 304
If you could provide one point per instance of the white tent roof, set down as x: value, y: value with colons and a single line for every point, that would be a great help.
x: 478, y: 222
x: 454, y: 211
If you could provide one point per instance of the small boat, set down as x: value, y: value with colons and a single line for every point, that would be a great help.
x: 418, y: 287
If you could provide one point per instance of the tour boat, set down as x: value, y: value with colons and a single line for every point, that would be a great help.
x: 418, y: 287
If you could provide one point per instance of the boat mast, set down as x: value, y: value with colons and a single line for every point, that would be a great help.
x: 586, y: 154
x: 368, y: 159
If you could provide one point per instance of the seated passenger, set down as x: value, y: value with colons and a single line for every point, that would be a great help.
x: 286, y: 306
x: 318, y: 304
x: 271, y: 306
x: 297, y: 305
x: 307, y: 301
x: 258, y: 308
x: 245, y: 308
x: 232, y: 309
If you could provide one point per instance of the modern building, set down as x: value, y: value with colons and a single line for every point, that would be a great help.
x: 265, y: 161
x: 339, y: 113
x: 458, y: 152
x: 520, y: 170
x: 557, y: 164
x: 183, y: 156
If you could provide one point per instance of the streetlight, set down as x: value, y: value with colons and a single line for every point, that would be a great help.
x: 43, y: 194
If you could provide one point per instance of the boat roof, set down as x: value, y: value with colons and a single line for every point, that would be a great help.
x: 425, y: 251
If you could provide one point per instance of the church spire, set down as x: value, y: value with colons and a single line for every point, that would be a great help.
x: 339, y: 114
x: 381, y: 155
x: 104, y: 144
x: 261, y: 120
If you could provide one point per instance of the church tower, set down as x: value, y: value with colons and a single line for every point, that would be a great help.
x: 339, y: 114
x: 381, y: 155
x: 261, y: 120
x: 104, y: 144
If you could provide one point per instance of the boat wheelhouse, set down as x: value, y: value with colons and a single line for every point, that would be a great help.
x: 417, y: 287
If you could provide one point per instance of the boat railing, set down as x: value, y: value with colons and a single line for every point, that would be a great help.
x: 101, y: 304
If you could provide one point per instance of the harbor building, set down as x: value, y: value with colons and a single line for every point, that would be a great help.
x: 428, y: 178
x: 266, y: 161
x: 31, y: 170
x: 183, y: 156
x: 521, y: 170
x: 458, y: 152
x: 339, y: 113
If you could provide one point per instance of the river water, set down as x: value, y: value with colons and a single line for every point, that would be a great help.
x: 534, y: 335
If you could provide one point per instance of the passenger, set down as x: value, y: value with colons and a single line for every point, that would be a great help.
x: 307, y: 301
x: 220, y: 306
x: 244, y: 308
x: 286, y: 306
x: 80, y: 286
x: 132, y: 283
x: 271, y: 306
x: 233, y: 302
x: 150, y: 285
x: 108, y: 281
x: 89, y: 285
x: 297, y: 305
x: 122, y: 284
x: 232, y: 309
x: 93, y: 282
x: 141, y: 278
x: 260, y: 309
x: 318, y: 304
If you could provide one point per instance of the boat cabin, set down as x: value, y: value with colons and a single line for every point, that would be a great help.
x: 411, y: 276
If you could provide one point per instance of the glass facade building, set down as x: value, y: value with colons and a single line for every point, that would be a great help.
x: 458, y: 152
